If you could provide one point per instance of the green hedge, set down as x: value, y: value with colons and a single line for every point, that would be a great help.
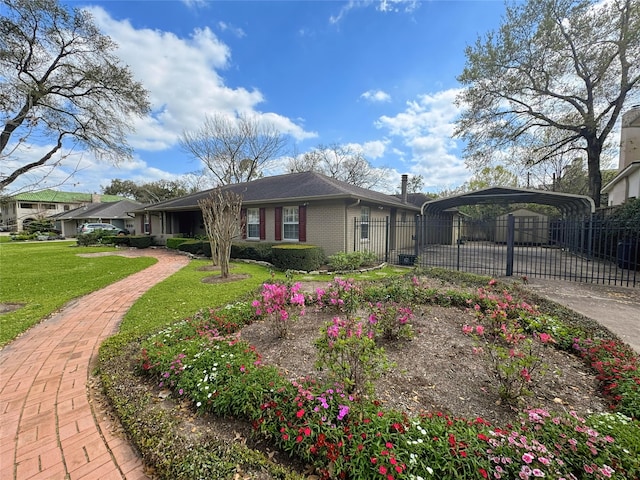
x: 141, y: 241
x: 196, y: 247
x: 252, y: 251
x: 297, y: 257
x: 175, y: 242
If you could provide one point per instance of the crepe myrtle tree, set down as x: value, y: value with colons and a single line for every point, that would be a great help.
x: 551, y: 81
x: 221, y: 214
x: 61, y: 87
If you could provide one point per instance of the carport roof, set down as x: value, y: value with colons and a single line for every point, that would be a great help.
x: 565, y: 202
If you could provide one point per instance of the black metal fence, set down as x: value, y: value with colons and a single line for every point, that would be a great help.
x: 591, y: 249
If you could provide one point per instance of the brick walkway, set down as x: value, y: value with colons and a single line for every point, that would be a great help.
x: 48, y: 426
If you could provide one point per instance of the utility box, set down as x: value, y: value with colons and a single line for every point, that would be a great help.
x: 407, y: 259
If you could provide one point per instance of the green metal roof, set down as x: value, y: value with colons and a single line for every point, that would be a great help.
x: 55, y: 196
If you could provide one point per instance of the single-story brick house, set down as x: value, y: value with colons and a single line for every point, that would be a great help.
x: 115, y: 213
x: 306, y: 207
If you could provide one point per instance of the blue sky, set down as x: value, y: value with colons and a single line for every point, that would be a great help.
x: 379, y: 76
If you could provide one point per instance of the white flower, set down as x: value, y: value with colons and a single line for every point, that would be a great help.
x: 198, y: 404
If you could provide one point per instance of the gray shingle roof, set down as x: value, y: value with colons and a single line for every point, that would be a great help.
x: 291, y: 187
x: 101, y: 210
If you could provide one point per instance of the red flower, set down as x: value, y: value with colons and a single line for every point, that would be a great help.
x: 484, y: 473
x: 300, y: 413
x: 382, y: 469
x: 483, y: 437
x: 374, y: 460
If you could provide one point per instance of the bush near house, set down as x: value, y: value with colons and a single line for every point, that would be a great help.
x: 196, y: 247
x: 252, y: 251
x: 297, y: 257
x: 175, y: 242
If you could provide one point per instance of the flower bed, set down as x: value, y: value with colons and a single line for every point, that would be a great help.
x: 344, y: 432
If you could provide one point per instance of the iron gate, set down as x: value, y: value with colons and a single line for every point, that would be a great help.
x: 586, y: 249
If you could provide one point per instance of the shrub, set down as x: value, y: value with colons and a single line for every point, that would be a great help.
x: 174, y: 242
x: 196, y: 247
x: 343, y: 261
x: 252, y: 251
x: 141, y: 241
x: 281, y: 304
x: 297, y: 257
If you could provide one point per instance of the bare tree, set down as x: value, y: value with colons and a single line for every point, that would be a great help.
x: 221, y: 213
x: 564, y: 66
x: 234, y: 149
x: 341, y: 162
x: 60, y: 81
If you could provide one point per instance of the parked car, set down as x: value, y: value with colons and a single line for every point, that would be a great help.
x: 105, y: 227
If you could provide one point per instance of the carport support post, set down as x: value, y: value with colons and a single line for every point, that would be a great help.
x: 511, y: 223
x: 458, y: 242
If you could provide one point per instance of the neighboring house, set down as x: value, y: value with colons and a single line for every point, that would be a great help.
x: 626, y: 184
x: 19, y: 210
x: 116, y: 213
x: 304, y: 207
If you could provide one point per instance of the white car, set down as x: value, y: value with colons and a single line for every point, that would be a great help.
x: 106, y: 227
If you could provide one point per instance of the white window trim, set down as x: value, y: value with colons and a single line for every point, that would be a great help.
x: 256, y: 222
x: 364, y: 220
x: 285, y: 222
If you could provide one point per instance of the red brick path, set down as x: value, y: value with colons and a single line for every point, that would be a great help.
x: 48, y: 426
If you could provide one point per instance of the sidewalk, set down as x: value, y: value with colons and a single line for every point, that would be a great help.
x: 48, y: 427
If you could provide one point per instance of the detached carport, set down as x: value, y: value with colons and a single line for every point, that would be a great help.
x: 568, y: 204
x: 576, y: 246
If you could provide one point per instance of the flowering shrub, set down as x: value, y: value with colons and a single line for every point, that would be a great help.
x: 391, y: 320
x: 617, y: 368
x: 341, y: 296
x: 348, y: 351
x: 281, y: 304
x: 514, y: 357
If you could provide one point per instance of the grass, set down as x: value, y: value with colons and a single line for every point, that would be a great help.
x: 43, y: 276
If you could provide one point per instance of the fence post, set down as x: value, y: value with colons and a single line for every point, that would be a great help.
x: 416, y: 236
x: 458, y: 243
x: 386, y: 239
x: 511, y: 222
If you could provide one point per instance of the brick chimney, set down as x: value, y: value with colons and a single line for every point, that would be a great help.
x: 403, y: 187
x: 96, y: 198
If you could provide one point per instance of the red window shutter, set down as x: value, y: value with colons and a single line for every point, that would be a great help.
x: 263, y: 230
x: 243, y: 222
x: 302, y: 223
x: 278, y: 220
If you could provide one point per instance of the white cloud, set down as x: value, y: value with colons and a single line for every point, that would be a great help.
x: 181, y: 75
x: 237, y: 31
x: 426, y: 128
x: 376, y: 96
x: 393, y: 6
x: 397, y: 5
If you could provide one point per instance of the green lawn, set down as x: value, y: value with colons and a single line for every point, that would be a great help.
x: 43, y: 276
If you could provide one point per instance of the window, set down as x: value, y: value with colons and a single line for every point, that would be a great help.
x: 290, y: 227
x: 364, y: 223
x: 28, y: 205
x: 253, y: 223
x: 67, y: 208
x: 49, y: 206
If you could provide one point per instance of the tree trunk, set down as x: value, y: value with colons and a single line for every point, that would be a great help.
x: 594, y: 149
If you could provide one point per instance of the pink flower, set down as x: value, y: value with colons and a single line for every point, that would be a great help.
x: 545, y: 337
x: 467, y: 329
x: 479, y: 329
x: 528, y: 458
